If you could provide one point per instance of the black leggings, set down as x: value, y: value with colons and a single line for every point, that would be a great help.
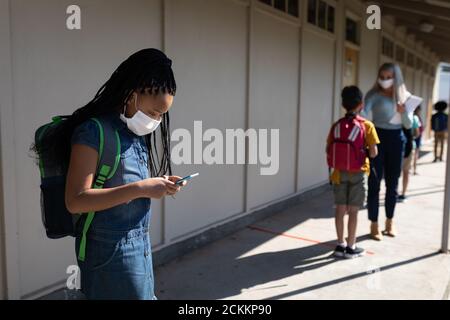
x: 387, y: 164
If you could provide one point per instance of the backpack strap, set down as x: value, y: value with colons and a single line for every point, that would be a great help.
x: 361, y: 121
x: 108, y: 161
x: 335, y: 129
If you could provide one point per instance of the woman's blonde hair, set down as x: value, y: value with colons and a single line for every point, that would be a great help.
x: 400, y: 93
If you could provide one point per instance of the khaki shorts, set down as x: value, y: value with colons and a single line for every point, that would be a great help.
x: 440, y: 135
x: 351, y: 191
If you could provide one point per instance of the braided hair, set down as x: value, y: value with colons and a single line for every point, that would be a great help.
x: 146, y: 71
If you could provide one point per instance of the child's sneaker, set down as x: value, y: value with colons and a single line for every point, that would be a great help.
x: 354, y: 253
x: 339, y: 251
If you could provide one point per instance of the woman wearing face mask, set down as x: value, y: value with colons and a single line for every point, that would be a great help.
x: 384, y: 100
x: 135, y: 100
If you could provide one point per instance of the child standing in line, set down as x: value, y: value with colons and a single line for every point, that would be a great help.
x: 410, y: 148
x: 418, y: 140
x: 350, y: 141
x: 439, y: 126
x: 113, y: 249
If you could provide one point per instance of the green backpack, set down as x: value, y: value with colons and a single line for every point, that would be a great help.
x: 57, y: 220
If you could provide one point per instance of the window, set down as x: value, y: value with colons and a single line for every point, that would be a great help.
x: 400, y: 54
x: 387, y: 47
x: 280, y: 5
x: 351, y: 31
x: 293, y: 7
x: 410, y: 59
x: 322, y: 22
x: 312, y: 11
x: 321, y: 14
x: 288, y: 6
x: 330, y: 25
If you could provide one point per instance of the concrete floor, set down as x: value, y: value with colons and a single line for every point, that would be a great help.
x: 287, y: 256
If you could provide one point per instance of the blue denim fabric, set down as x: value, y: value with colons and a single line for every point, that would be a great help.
x: 118, y: 261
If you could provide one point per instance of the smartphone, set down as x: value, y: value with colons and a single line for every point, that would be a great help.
x: 178, y: 182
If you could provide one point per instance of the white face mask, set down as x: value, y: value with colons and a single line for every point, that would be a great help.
x: 140, y: 123
x: 386, y: 84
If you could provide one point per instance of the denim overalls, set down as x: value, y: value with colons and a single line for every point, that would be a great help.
x: 118, y: 262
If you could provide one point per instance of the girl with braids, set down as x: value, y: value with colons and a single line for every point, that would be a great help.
x: 136, y: 100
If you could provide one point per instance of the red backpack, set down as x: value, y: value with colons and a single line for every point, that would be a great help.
x: 347, y: 148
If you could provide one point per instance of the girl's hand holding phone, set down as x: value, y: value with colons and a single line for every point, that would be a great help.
x: 158, y: 188
x: 174, y: 179
x: 176, y: 187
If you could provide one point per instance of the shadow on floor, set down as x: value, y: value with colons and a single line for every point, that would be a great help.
x: 204, y: 280
x: 351, y: 277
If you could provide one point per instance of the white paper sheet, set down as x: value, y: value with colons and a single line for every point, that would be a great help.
x: 410, y: 104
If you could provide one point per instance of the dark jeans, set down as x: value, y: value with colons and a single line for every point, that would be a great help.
x: 387, y: 164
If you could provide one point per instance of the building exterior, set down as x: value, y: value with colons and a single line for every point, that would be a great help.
x: 238, y: 63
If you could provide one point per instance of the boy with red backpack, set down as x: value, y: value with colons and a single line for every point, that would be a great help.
x: 351, y: 141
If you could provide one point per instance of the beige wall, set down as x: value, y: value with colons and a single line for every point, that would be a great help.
x: 5, y: 142
x: 369, y: 58
x: 210, y: 55
x: 2, y: 238
x: 3, y: 9
x: 316, y: 112
x: 274, y: 85
x: 417, y: 83
x: 426, y: 94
